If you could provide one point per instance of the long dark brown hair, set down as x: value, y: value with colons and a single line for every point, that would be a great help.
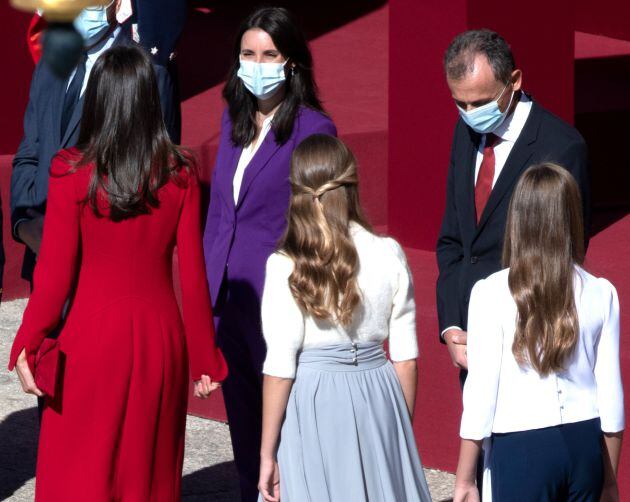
x: 544, y: 240
x: 123, y: 134
x: 325, y: 199
x: 300, y: 87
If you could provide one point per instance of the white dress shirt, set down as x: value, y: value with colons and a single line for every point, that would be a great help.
x: 247, y: 155
x: 387, y: 309
x: 501, y: 396
x: 508, y: 131
x: 92, y: 56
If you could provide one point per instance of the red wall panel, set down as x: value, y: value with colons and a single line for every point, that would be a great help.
x: 421, y: 116
x: 17, y: 68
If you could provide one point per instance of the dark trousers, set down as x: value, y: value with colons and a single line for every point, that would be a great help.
x: 555, y: 464
x: 237, y: 317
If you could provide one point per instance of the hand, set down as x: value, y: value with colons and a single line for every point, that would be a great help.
x: 456, y: 340
x: 205, y: 387
x: 610, y: 492
x: 25, y: 375
x: 466, y: 492
x: 269, y: 481
x: 31, y: 231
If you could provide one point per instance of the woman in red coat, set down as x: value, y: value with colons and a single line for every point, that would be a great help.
x: 117, y: 206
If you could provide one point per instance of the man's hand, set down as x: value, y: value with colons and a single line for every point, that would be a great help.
x: 30, y: 232
x: 456, y: 340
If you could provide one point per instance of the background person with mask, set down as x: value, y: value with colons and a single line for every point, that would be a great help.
x: 51, y: 123
x: 500, y: 133
x: 272, y: 105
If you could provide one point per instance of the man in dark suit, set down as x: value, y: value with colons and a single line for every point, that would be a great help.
x: 51, y: 123
x: 501, y: 132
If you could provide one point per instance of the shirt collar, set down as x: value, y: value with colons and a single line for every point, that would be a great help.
x: 95, y: 52
x: 513, y: 124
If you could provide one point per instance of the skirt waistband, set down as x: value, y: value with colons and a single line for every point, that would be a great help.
x: 344, y: 357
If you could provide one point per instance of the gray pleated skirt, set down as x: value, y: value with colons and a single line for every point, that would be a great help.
x: 347, y: 434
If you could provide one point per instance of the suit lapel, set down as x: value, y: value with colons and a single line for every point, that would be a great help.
x: 228, y: 181
x: 516, y: 163
x: 60, y: 92
x: 259, y: 161
x: 73, y: 124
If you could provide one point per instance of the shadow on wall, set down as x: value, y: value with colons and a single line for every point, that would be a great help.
x: 19, y: 433
x: 602, y: 115
x: 205, y: 50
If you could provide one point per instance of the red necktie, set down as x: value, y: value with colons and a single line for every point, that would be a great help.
x: 483, y: 187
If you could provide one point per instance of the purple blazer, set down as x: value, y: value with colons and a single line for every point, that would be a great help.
x: 240, y: 237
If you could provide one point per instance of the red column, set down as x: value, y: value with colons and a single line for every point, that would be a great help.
x: 421, y: 116
x: 421, y: 112
x: 542, y: 36
x: 17, y: 67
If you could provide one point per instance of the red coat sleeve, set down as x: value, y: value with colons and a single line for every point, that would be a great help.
x: 56, y: 264
x: 205, y: 357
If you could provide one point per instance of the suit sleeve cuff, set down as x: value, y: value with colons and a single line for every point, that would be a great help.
x: 15, y: 228
x: 445, y: 330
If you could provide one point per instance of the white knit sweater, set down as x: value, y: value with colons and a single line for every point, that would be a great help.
x: 387, y: 310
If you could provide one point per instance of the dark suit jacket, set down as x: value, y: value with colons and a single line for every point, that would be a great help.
x: 467, y: 252
x: 42, y: 139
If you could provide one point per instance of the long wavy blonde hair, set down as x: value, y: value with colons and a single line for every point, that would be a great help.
x: 325, y: 199
x: 544, y: 240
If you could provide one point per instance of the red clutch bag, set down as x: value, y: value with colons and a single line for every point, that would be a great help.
x: 47, y: 367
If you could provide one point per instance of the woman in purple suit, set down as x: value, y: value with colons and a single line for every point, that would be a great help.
x: 272, y: 106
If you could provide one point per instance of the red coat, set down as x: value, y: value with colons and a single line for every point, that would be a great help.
x: 116, y: 430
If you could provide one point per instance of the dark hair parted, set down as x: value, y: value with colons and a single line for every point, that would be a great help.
x: 300, y: 87
x: 325, y: 199
x: 544, y: 240
x: 124, y: 136
x: 459, y: 58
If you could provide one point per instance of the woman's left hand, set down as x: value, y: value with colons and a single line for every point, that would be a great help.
x: 269, y: 481
x: 466, y: 492
x: 205, y: 387
x: 26, y: 377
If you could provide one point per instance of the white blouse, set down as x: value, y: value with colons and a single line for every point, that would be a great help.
x: 501, y: 396
x: 387, y: 310
x: 246, y: 157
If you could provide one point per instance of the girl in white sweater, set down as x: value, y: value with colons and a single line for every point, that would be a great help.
x: 336, y: 413
x: 544, y: 381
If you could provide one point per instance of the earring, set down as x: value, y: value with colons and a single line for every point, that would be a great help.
x: 292, y: 70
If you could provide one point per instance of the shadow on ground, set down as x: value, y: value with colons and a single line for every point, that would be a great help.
x: 217, y: 483
x: 18, y: 456
x: 18, y: 450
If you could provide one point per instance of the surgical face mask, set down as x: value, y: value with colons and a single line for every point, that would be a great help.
x: 262, y: 79
x: 92, y: 21
x: 488, y: 117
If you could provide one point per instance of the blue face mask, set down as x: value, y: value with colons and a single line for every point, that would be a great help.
x: 262, y: 79
x: 91, y: 21
x: 488, y: 117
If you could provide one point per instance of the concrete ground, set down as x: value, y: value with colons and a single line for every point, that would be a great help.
x: 209, y: 473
